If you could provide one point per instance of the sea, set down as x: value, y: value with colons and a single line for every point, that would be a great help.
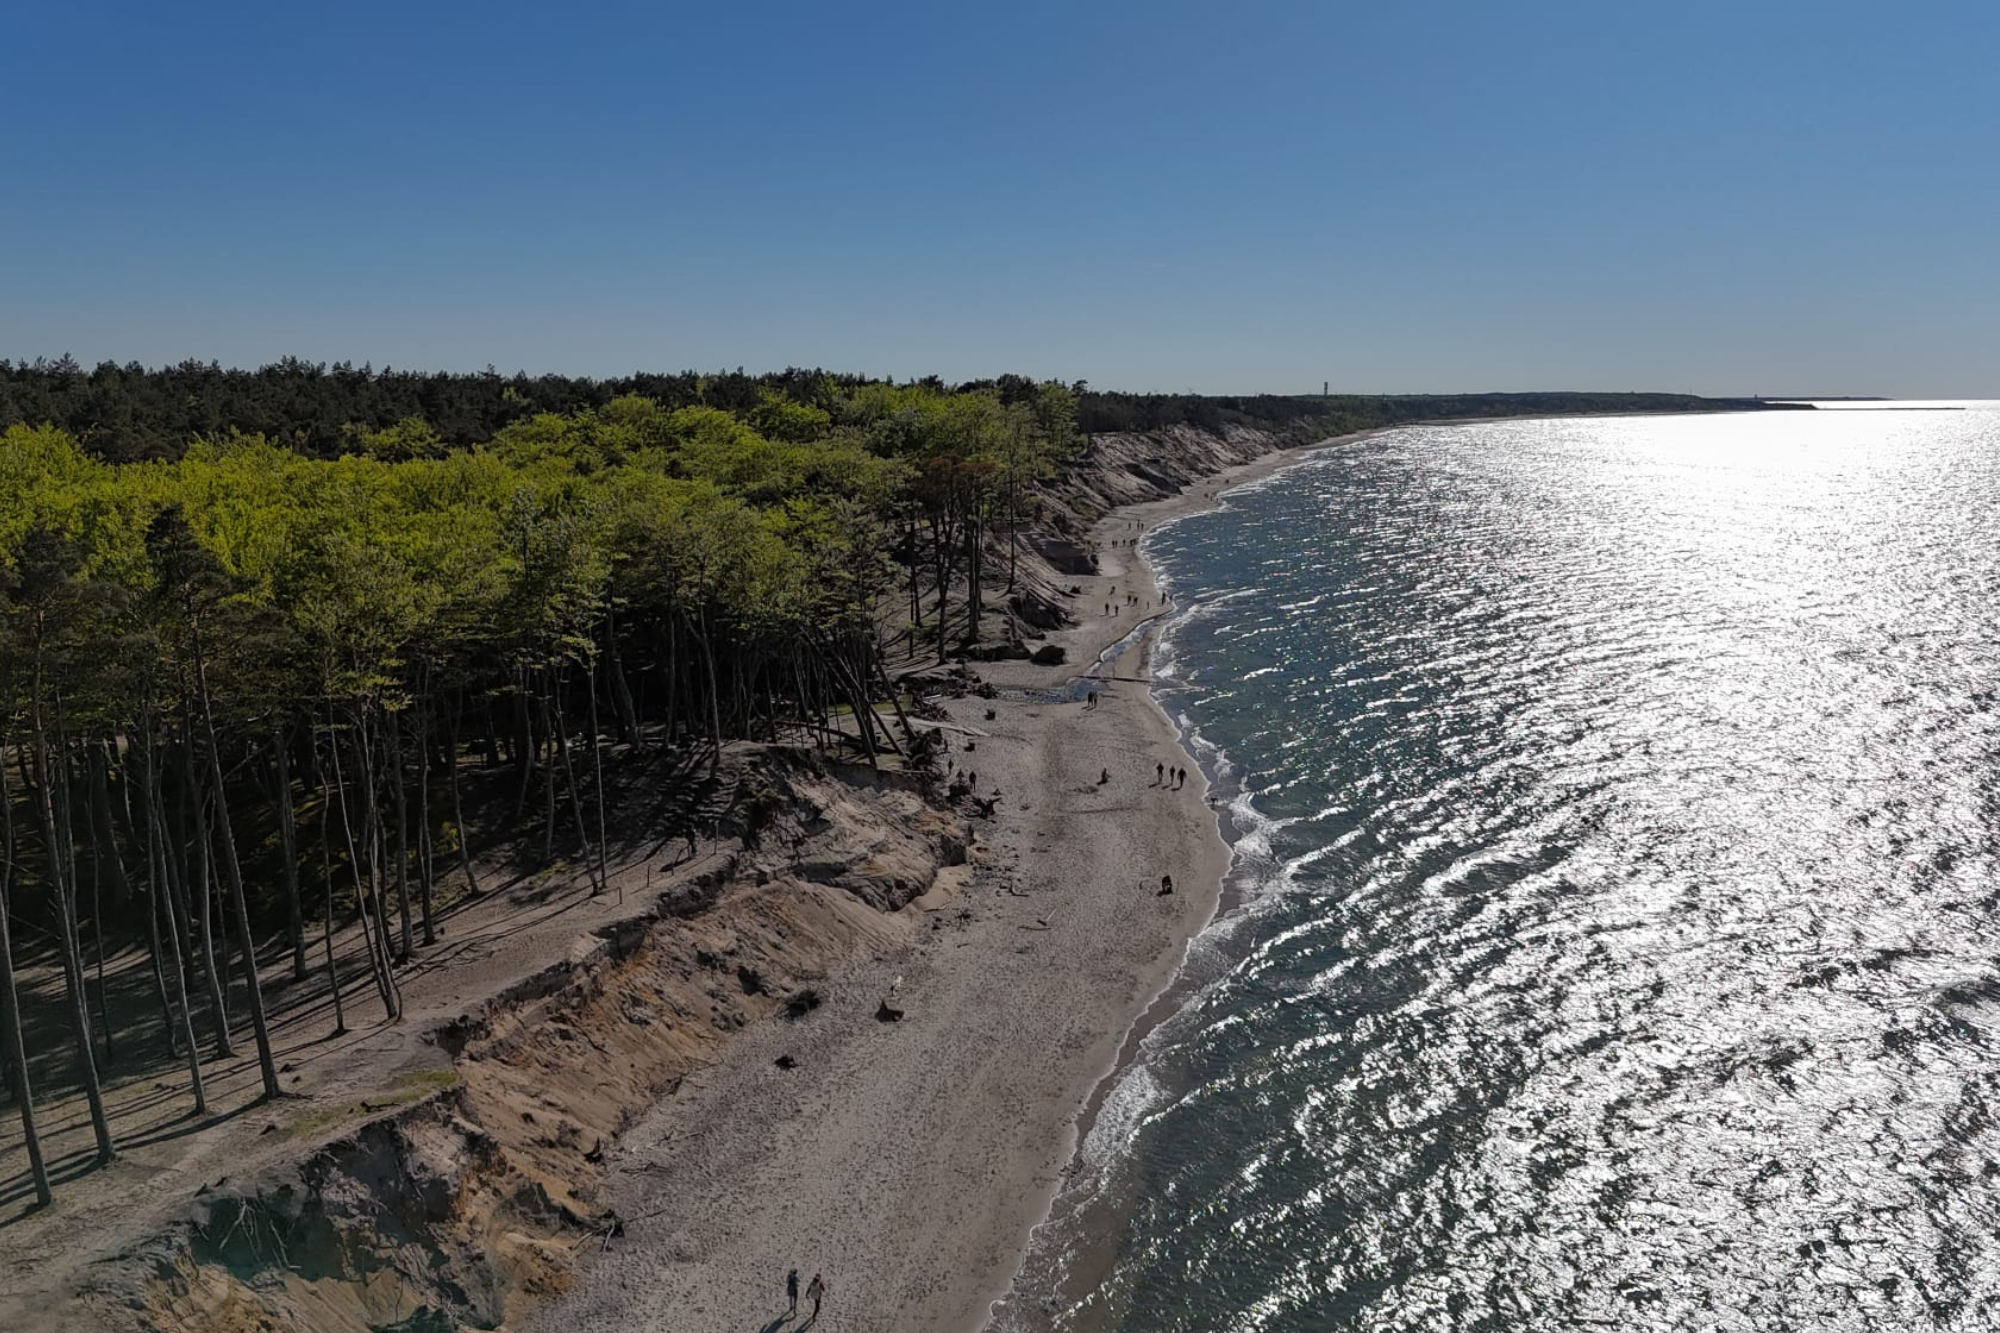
x: 1613, y: 934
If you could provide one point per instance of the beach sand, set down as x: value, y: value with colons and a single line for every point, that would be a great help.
x: 907, y: 1161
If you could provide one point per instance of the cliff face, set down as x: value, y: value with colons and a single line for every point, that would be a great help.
x: 466, y: 1206
x: 1114, y: 470
x: 1151, y: 465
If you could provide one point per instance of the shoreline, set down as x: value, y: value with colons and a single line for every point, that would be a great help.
x: 910, y: 1161
x: 1139, y: 521
x: 1221, y: 894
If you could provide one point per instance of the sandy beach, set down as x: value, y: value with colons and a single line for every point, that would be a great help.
x: 908, y: 1161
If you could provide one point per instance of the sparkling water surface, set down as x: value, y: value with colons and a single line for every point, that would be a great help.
x: 1613, y: 938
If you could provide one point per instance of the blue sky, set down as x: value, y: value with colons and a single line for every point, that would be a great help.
x: 1744, y: 197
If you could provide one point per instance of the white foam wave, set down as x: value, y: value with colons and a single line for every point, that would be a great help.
x: 1136, y: 1096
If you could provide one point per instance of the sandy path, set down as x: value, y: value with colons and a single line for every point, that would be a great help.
x: 908, y: 1161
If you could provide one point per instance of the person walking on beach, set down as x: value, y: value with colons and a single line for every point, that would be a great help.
x: 1159, y: 775
x: 1166, y: 885
x: 815, y: 1290
x: 792, y: 1292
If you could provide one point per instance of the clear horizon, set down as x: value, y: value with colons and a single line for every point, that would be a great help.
x: 1448, y: 198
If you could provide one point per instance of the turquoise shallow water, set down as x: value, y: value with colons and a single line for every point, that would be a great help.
x: 1613, y: 935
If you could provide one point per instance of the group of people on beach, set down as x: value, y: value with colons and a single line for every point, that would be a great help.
x: 1173, y: 779
x: 1131, y: 599
x: 815, y: 1292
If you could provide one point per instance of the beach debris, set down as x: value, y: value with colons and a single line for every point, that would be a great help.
x: 991, y: 714
x: 604, y: 1230
x: 802, y: 1003
x: 786, y: 1061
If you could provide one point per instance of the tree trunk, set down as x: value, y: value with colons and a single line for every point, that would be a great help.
x: 254, y: 990
x: 976, y: 601
x: 371, y: 910
x: 597, y: 779
x: 549, y: 783
x: 374, y: 851
x: 424, y: 818
x: 104, y: 833
x: 916, y: 599
x: 97, y: 855
x: 156, y: 830
x: 326, y: 879
x: 201, y: 891
x: 888, y: 688
x: 1013, y: 533
x: 941, y: 541
x: 561, y: 732
x: 65, y: 889
x: 288, y: 837
x: 16, y: 1049
x: 670, y: 666
x: 156, y: 948
x: 621, y: 691
x: 394, y: 757
x: 857, y: 699
x: 526, y: 755
x: 174, y: 874
x: 458, y: 811
x: 714, y: 701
